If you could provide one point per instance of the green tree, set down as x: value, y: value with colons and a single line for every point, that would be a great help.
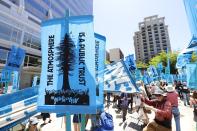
x: 142, y: 65
x: 194, y: 57
x: 162, y: 57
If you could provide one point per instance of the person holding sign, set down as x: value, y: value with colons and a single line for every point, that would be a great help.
x: 163, y: 112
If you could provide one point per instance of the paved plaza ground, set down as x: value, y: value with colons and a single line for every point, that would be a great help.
x: 131, y: 124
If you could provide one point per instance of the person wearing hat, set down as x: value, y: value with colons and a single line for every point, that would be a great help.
x: 162, y: 108
x: 33, y: 125
x: 172, y: 96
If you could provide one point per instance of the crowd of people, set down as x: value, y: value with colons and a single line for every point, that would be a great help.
x: 158, y: 97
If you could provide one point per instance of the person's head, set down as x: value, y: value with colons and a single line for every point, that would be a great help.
x: 159, y: 94
x: 184, y: 84
x: 33, y: 123
x: 194, y: 95
x: 170, y: 88
x: 138, y: 83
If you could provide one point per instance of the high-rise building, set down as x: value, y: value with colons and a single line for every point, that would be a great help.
x: 115, y: 55
x: 151, y: 38
x: 20, y: 22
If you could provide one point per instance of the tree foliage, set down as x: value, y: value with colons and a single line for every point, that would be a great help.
x: 162, y: 57
x: 142, y: 65
x: 194, y: 57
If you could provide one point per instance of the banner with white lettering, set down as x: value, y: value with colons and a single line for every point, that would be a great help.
x: 191, y: 71
x: 15, y: 58
x: 100, y: 42
x: 117, y: 78
x: 68, y: 77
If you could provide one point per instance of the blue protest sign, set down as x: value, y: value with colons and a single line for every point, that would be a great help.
x: 191, y: 71
x: 68, y: 77
x: 6, y: 75
x: 182, y: 60
x: 117, y: 78
x: 15, y: 81
x: 15, y: 58
x: 35, y: 79
x: 138, y: 75
x: 100, y: 42
x: 130, y: 62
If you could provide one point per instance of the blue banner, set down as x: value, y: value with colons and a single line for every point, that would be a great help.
x: 130, y: 62
x: 6, y: 76
x: 138, y: 75
x: 100, y: 42
x: 68, y: 80
x: 117, y: 78
x: 182, y: 60
x: 15, y: 81
x: 35, y: 79
x: 191, y: 71
x: 15, y: 59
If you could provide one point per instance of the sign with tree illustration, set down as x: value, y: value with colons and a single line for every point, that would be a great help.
x: 68, y: 70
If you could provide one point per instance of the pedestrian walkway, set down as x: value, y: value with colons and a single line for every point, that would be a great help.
x: 131, y: 123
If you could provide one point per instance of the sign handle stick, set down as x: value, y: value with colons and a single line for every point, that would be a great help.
x: 83, y: 122
x: 68, y: 122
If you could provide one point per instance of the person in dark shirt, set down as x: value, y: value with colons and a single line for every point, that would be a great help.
x: 179, y: 88
x: 185, y: 92
x: 124, y: 105
x: 163, y: 112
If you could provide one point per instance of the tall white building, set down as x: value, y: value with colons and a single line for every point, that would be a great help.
x: 20, y: 26
x: 151, y: 38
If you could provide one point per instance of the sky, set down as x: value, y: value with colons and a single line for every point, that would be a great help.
x: 117, y: 20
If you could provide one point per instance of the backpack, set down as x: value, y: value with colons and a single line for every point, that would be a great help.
x: 125, y: 103
x: 106, y: 122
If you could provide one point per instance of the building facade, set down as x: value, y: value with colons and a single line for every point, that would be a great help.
x: 115, y: 55
x: 151, y: 38
x: 20, y: 22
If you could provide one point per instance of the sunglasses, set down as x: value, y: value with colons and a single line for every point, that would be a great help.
x: 157, y: 95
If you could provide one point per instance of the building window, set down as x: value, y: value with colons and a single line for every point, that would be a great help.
x: 10, y: 33
x: 161, y: 24
x: 31, y: 41
x: 4, y: 4
x: 3, y: 54
x: 32, y: 61
x: 16, y: 2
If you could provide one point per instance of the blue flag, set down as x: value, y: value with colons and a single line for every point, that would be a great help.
x: 191, y: 70
x: 15, y: 81
x: 68, y: 77
x: 15, y: 59
x: 117, y: 78
x: 100, y: 42
x: 130, y: 62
